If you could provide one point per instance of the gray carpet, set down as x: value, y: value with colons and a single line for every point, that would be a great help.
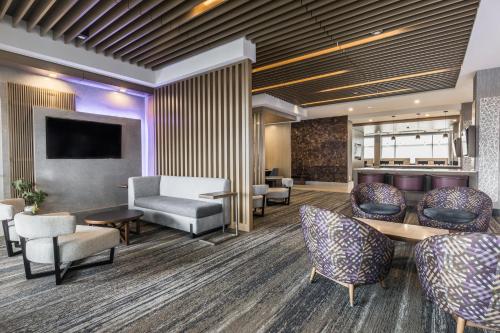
x: 166, y: 282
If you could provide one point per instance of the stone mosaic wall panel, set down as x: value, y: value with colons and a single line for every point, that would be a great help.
x: 319, y: 149
x: 489, y: 146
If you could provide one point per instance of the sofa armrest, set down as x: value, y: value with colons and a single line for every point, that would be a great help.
x: 139, y: 187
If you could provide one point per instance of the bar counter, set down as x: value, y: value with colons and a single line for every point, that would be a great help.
x: 427, y: 173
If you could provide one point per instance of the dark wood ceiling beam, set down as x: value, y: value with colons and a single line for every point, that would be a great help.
x: 4, y: 6
x: 132, y: 47
x: 21, y: 10
x: 264, y: 15
x: 88, y: 19
x: 374, y: 70
x: 355, y: 63
x: 56, y: 14
x: 274, y: 55
x: 71, y: 17
x: 112, y: 15
x: 414, y: 20
x: 277, y: 40
x: 125, y: 22
x: 170, y: 20
x: 384, y: 71
x: 38, y: 13
x: 217, y: 27
x: 359, y: 55
x: 220, y: 15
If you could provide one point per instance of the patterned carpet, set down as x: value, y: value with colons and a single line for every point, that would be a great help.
x: 166, y: 282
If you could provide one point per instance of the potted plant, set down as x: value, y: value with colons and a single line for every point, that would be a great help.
x: 32, y: 196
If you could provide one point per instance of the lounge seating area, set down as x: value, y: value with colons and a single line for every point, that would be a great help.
x: 250, y: 166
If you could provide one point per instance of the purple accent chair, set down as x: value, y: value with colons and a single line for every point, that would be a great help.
x: 377, y: 194
x: 458, y: 201
x: 459, y: 273
x: 345, y: 250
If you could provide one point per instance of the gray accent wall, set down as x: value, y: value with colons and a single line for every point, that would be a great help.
x: 487, y: 117
x: 86, y: 184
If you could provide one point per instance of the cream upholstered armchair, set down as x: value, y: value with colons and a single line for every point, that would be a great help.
x: 259, y: 197
x: 281, y: 193
x: 8, y: 209
x: 56, y: 239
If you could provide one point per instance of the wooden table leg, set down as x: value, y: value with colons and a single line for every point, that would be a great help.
x: 126, y: 232
x: 137, y: 227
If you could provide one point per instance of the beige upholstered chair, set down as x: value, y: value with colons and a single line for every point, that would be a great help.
x: 259, y: 197
x: 56, y: 239
x: 8, y: 209
x: 281, y: 193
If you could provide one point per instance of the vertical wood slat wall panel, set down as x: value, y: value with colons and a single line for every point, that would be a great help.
x: 21, y: 100
x: 259, y: 149
x: 204, y: 128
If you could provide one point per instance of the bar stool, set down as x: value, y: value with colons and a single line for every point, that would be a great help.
x: 439, y: 181
x: 409, y: 182
x: 370, y: 178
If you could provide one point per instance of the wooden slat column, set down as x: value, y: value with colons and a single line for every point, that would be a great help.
x: 21, y: 100
x: 204, y: 128
x: 259, y: 148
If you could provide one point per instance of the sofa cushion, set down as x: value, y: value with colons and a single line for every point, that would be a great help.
x: 180, y: 206
x: 379, y: 208
x: 449, y: 215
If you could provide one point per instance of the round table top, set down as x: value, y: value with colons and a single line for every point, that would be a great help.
x: 114, y: 216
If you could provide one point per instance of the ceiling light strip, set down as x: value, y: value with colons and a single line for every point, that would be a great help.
x: 289, y: 83
x: 334, y: 49
x: 357, y: 96
x: 391, y: 79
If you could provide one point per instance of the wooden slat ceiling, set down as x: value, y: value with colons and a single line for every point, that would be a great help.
x: 354, y: 49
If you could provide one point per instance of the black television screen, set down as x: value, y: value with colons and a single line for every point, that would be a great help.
x: 77, y: 139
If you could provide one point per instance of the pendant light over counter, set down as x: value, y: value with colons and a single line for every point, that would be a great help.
x: 418, y: 127
x: 445, y: 135
x: 393, y: 137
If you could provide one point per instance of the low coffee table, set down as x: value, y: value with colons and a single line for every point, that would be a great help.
x: 119, y: 219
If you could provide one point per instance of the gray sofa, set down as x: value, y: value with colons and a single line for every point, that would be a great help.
x: 174, y: 202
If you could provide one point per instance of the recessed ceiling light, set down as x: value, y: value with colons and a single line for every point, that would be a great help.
x: 370, y: 107
x: 123, y: 90
x: 370, y: 120
x: 377, y: 32
x: 82, y: 37
x: 350, y: 109
x: 427, y: 115
x: 417, y: 101
x: 54, y: 75
x: 454, y: 120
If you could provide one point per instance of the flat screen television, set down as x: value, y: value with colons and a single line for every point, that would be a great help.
x: 78, y: 139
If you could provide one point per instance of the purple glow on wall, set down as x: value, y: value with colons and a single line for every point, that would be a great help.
x: 95, y: 100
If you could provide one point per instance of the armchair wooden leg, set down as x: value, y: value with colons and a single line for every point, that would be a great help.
x: 351, y: 294
x: 313, y: 274
x: 460, y: 325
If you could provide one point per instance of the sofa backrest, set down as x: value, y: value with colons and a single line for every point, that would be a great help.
x: 192, y: 187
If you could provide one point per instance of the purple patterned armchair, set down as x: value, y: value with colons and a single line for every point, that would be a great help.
x: 378, y: 201
x: 455, y: 208
x: 459, y: 272
x: 344, y: 250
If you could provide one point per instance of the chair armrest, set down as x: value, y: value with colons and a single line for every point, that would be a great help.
x: 10, y: 207
x: 44, y: 226
x: 139, y: 187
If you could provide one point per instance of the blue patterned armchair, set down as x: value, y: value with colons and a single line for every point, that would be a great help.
x: 378, y: 201
x: 344, y: 250
x: 459, y: 272
x: 455, y: 208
